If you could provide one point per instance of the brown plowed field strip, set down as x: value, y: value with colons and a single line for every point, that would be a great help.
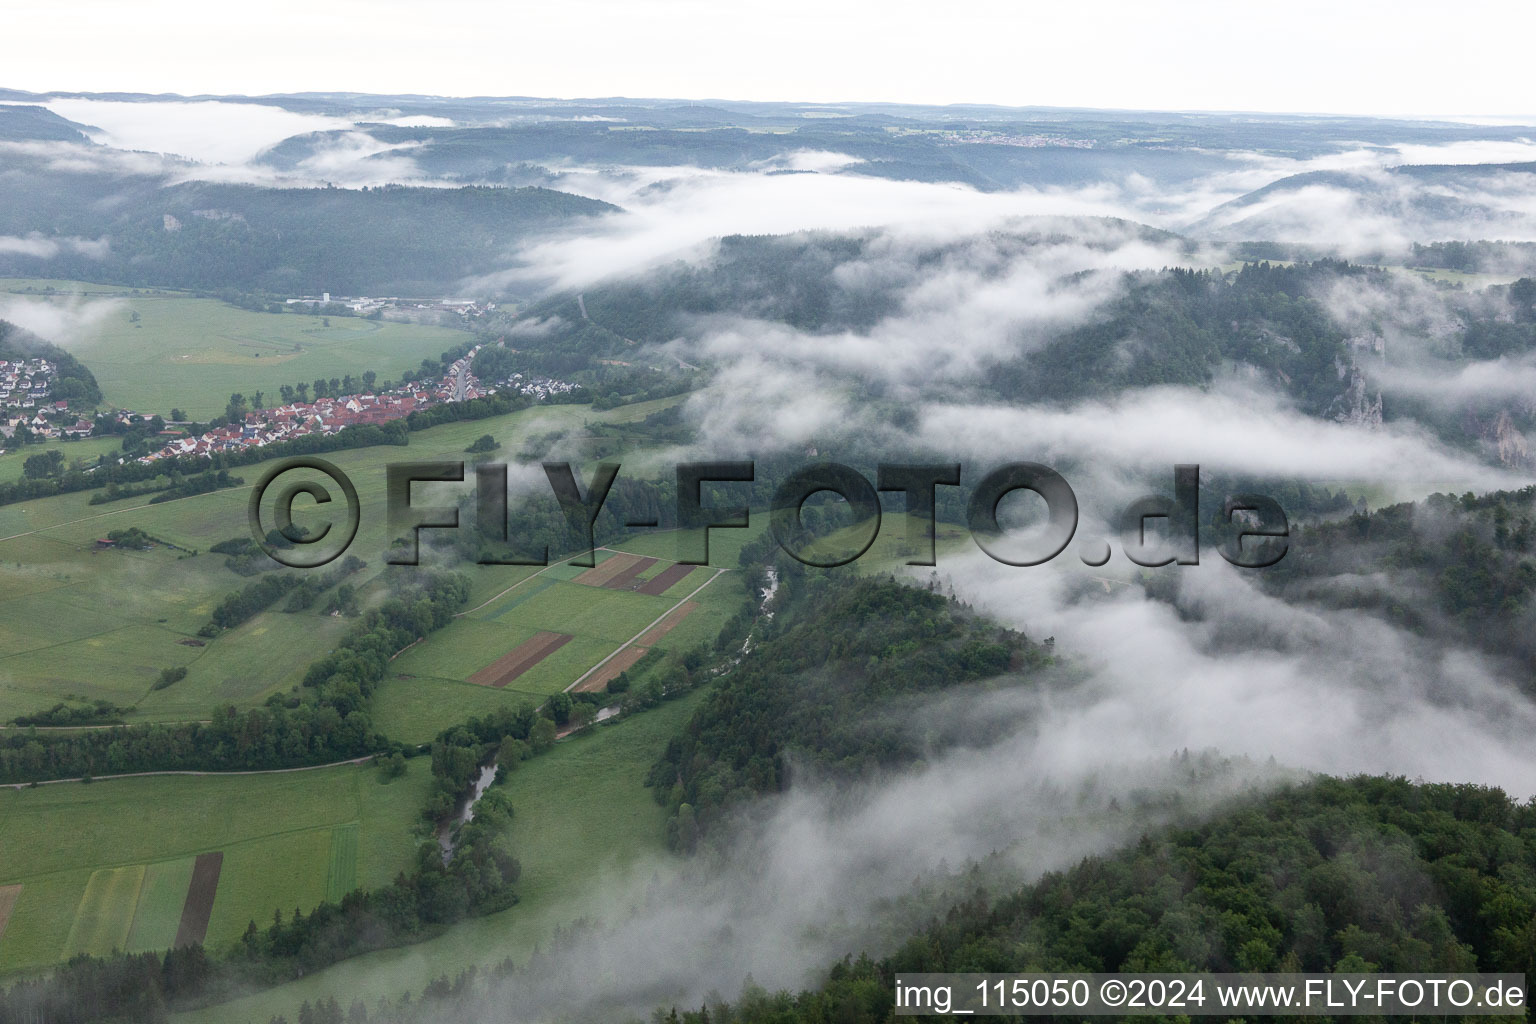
x: 609, y: 672
x: 520, y: 659
x: 199, y: 906
x: 663, y: 581
x: 626, y: 579
x: 667, y: 624
x: 600, y: 574
x: 8, y: 896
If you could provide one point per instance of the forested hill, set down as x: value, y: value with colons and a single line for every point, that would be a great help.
x: 795, y: 280
x: 391, y: 240
x: 74, y: 384
x: 1265, y: 323
x: 824, y: 685
x: 1361, y: 874
x: 1462, y: 568
x: 1365, y: 874
x: 1454, y: 176
x: 19, y: 123
x: 1270, y: 324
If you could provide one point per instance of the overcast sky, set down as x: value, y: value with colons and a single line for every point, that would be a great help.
x: 1390, y: 57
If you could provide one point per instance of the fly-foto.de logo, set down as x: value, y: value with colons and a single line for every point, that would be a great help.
x: 1154, y: 530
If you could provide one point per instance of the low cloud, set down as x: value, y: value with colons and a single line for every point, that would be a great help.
x: 1507, y: 380
x: 208, y: 131
x: 1232, y: 667
x: 1232, y: 429
x: 675, y: 213
x: 68, y: 322
x: 42, y: 247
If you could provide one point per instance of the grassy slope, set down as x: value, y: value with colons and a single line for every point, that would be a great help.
x: 580, y: 811
x: 103, y: 624
x: 275, y: 830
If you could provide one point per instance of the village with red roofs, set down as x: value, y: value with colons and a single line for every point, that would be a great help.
x: 329, y: 415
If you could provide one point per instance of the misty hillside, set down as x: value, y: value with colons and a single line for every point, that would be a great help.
x: 36, y: 124
x: 306, y: 241
x: 1462, y: 567
x: 837, y: 649
x: 1430, y: 202
x: 988, y: 159
x: 1450, y: 175
x: 1272, y: 326
x: 819, y: 283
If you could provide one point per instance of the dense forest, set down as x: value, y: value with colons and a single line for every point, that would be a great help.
x: 825, y: 672
x: 392, y: 240
x: 788, y: 279
x: 20, y: 122
x: 1179, y: 326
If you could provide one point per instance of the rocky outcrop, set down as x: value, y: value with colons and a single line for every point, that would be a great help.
x: 1355, y: 406
x: 1508, y: 442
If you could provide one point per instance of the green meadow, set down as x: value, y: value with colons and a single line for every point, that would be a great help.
x: 83, y: 450
x: 290, y: 839
x: 102, y: 624
x: 155, y: 352
x: 582, y: 817
x: 82, y: 622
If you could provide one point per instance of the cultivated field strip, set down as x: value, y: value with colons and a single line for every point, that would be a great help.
x: 199, y: 905
x: 105, y: 915
x: 611, y: 669
x: 605, y: 572
x: 668, y: 624
x: 649, y: 630
x: 531, y: 592
x: 9, y: 894
x: 341, y: 876
x: 520, y: 659
x: 627, y: 579
x: 162, y: 896
x: 664, y: 580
